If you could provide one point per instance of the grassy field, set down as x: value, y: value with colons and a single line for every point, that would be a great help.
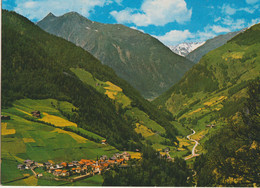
x: 41, y: 142
x: 108, y: 88
x: 144, y: 119
x: 57, y: 121
x: 144, y: 131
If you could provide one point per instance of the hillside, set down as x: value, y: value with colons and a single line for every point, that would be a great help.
x: 210, y: 45
x: 216, y: 87
x: 138, y: 58
x: 219, y: 99
x: 233, y: 153
x: 80, y: 100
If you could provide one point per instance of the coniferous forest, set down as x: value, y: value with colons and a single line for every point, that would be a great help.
x: 69, y: 119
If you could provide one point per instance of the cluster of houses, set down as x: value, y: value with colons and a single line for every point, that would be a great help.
x: 29, y: 164
x: 82, y: 167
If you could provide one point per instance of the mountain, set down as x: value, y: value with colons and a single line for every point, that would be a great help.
x: 60, y: 104
x: 48, y: 67
x: 185, y: 48
x: 219, y: 99
x: 221, y: 72
x: 136, y: 57
x: 210, y: 45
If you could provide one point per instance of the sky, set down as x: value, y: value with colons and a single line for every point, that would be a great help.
x: 170, y: 21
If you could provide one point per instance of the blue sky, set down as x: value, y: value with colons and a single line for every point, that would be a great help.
x: 171, y: 21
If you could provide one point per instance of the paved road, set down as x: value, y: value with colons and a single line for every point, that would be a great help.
x: 194, y: 147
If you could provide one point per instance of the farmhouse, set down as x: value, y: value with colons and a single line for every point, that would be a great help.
x: 36, y: 113
x: 21, y: 166
x: 70, y: 165
x: 65, y: 173
x: 211, y: 125
x: 126, y: 156
x: 103, y: 142
x: 57, y: 172
x: 166, y: 149
x: 103, y: 157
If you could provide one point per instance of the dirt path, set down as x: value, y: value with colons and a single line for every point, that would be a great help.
x: 194, y: 147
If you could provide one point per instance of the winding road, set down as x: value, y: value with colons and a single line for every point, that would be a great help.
x: 193, y: 149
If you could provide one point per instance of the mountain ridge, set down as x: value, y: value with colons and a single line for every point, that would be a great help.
x: 210, y: 45
x: 142, y: 60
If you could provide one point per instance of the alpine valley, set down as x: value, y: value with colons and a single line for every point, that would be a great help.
x: 138, y: 58
x: 75, y: 109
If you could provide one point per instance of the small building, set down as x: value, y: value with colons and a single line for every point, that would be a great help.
x: 58, y: 166
x: 211, y: 125
x: 5, y: 117
x: 103, y: 157
x: 63, y: 164
x: 78, y: 170
x: 118, y: 155
x: 36, y: 113
x: 167, y: 149
x: 21, y: 167
x: 39, y: 175
x: 73, y: 170
x: 65, y: 173
x: 57, y: 172
x: 70, y: 165
x: 126, y: 156
x: 103, y: 141
x: 28, y: 161
x: 113, y: 158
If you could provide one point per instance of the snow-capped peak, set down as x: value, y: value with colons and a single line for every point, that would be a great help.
x: 185, y: 48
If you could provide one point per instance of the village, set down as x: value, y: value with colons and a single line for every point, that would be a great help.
x: 77, y: 169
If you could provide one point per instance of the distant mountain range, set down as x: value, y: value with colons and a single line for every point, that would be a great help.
x: 140, y: 59
x: 210, y: 45
x: 185, y: 48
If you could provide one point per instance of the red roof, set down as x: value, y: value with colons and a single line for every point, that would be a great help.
x: 64, y: 164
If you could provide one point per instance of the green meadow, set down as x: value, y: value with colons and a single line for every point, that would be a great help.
x: 40, y: 142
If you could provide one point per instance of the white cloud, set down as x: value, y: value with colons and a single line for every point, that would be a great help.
x: 217, y: 19
x: 251, y: 1
x: 233, y: 24
x: 119, y: 2
x: 37, y: 9
x: 155, y: 12
x: 224, y: 25
x: 204, y: 35
x: 253, y: 22
x: 175, y: 37
x: 246, y: 9
x: 228, y: 10
x: 219, y: 29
